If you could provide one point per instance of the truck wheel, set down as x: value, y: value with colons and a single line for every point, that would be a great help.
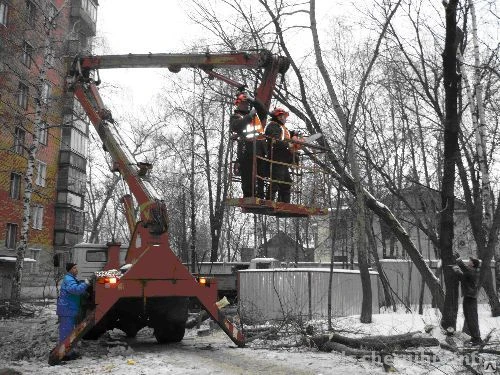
x: 130, y: 330
x: 94, y: 333
x: 169, y: 332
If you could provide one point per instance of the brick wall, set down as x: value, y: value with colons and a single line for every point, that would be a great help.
x: 13, y: 71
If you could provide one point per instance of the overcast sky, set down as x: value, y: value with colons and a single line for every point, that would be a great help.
x: 144, y: 26
x: 128, y: 26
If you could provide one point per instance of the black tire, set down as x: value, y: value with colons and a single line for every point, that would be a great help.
x: 130, y: 331
x: 169, y: 332
x: 94, y: 333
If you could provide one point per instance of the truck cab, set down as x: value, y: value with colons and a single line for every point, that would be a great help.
x: 91, y: 257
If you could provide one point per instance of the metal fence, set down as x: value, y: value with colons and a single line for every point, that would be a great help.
x: 301, y: 293
x: 406, y: 281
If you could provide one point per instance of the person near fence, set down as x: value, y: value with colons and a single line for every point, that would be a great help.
x: 468, y: 274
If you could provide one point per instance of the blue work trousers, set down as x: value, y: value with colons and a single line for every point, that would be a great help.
x: 66, y: 325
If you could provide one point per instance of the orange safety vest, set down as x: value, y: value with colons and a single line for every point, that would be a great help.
x: 285, y: 134
x: 254, y: 129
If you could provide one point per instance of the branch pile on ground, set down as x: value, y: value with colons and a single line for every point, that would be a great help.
x: 385, y: 343
x: 370, y: 346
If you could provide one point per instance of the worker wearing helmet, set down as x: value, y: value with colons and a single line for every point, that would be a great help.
x: 246, y: 122
x: 279, y: 152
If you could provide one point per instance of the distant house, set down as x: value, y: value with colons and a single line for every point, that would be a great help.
x: 426, y: 204
x: 285, y: 249
x: 423, y: 201
x: 247, y: 254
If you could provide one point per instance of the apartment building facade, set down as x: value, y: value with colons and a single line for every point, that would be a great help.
x: 40, y: 120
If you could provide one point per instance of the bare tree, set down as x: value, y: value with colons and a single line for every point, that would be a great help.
x: 42, y: 99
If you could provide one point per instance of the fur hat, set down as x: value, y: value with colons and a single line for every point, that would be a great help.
x: 476, y: 263
x: 69, y: 266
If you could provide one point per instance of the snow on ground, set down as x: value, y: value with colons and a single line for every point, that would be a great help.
x: 25, y: 344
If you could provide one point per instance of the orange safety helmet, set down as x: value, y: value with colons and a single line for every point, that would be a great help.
x: 242, y: 97
x: 278, y: 112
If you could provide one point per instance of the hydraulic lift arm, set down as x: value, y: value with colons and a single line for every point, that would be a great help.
x: 263, y: 59
x: 152, y: 208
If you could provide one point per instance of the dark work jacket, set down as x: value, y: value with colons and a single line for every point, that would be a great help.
x: 280, y: 149
x: 240, y: 119
x: 238, y: 123
x: 469, y: 278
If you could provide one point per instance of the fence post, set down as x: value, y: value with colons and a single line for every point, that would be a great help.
x: 310, y: 294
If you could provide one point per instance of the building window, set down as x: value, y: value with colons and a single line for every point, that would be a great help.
x: 15, y: 186
x: 42, y: 173
x: 27, y: 53
x: 11, y: 236
x: 4, y: 9
x: 37, y: 217
x: 22, y: 96
x: 46, y: 92
x: 90, y: 8
x: 42, y: 133
x: 30, y: 12
x: 35, y: 255
x: 19, y: 136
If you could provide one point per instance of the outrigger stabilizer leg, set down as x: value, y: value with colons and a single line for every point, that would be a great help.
x: 63, y: 348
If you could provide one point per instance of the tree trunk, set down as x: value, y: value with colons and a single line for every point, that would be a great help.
x: 386, y: 343
x: 349, y: 127
x: 388, y: 300
x: 360, y: 236
x: 193, y: 205
x: 184, y: 242
x: 485, y: 248
x: 40, y: 102
x: 334, y: 224
x: 481, y: 145
x: 451, y: 153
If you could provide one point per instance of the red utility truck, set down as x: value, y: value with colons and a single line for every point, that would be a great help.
x: 153, y: 288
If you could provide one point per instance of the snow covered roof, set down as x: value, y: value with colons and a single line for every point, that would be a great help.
x: 13, y: 259
x: 264, y: 260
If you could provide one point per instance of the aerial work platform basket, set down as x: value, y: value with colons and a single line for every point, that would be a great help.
x: 308, y: 188
x: 273, y: 208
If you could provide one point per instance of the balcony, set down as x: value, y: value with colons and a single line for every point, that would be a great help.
x: 67, y: 157
x: 85, y: 11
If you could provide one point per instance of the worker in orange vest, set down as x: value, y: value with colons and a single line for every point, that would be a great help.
x: 280, y: 150
x: 246, y: 122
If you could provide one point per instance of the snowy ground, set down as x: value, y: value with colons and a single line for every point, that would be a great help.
x: 25, y: 344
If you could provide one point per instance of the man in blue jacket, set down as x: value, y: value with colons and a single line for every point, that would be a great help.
x: 68, y: 303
